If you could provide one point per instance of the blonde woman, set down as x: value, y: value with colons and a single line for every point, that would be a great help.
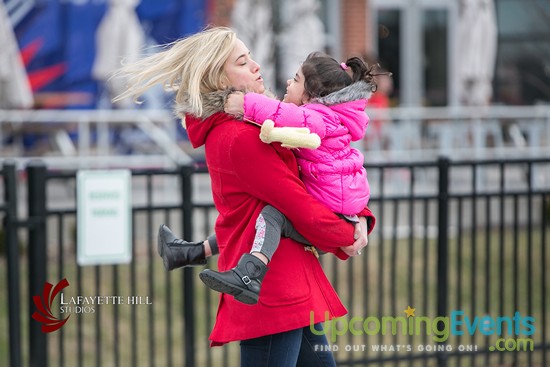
x: 284, y: 327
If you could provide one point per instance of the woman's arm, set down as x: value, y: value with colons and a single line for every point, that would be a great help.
x: 264, y: 173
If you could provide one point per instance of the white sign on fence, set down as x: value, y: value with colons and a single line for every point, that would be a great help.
x: 104, y: 217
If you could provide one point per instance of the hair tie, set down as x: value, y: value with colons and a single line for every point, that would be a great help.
x: 344, y: 66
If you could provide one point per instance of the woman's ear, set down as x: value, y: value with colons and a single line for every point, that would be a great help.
x: 224, y: 82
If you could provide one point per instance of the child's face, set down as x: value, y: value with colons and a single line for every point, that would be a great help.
x: 295, y: 92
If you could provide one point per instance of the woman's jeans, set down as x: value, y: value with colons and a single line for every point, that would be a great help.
x: 300, y: 348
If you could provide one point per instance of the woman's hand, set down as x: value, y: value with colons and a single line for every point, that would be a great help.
x: 361, y: 239
x: 234, y: 105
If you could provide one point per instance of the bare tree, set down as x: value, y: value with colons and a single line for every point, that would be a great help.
x: 477, y: 44
x: 253, y: 22
x: 280, y: 34
x: 301, y: 32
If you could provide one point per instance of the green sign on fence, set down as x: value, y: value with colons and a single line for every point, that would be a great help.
x: 104, y: 217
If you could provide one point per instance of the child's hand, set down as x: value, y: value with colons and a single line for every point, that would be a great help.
x: 234, y: 104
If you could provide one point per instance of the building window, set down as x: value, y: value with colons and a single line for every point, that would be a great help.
x: 523, y: 61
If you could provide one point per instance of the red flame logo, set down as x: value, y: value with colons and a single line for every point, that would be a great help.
x: 44, y: 307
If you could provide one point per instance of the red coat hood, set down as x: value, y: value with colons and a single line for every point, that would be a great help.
x: 197, y: 129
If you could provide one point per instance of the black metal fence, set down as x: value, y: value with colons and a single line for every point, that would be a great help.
x: 464, y: 244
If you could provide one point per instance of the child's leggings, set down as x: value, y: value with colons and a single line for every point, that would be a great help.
x: 271, y: 225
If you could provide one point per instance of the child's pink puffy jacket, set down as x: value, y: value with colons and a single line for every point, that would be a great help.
x: 334, y: 172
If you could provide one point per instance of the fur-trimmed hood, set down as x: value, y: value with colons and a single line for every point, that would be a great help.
x: 353, y: 92
x: 211, y: 103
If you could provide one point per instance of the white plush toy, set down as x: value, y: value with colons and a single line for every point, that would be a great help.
x: 290, y: 137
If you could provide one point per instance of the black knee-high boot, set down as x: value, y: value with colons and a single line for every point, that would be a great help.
x: 178, y: 253
x: 243, y: 281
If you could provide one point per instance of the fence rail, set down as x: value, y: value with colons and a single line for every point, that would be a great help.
x: 92, y: 140
x: 484, y: 132
x: 396, y: 134
x: 462, y: 239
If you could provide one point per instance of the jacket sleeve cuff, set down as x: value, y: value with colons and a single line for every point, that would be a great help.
x: 371, y: 220
x: 341, y: 254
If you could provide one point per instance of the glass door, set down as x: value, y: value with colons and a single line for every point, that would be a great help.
x: 414, y: 41
x: 435, y: 66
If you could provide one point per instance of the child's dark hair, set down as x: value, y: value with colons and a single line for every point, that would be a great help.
x: 324, y: 75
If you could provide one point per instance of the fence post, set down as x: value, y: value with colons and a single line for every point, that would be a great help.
x: 36, y: 176
x: 186, y: 173
x: 12, y: 254
x: 442, y: 245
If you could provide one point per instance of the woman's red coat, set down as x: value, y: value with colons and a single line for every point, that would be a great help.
x: 246, y: 175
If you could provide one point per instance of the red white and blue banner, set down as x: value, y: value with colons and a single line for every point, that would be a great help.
x: 58, y: 45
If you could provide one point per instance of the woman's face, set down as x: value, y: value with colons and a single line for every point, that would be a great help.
x: 241, y: 71
x: 295, y: 92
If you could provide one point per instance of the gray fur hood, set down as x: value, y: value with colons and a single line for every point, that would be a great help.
x: 353, y: 92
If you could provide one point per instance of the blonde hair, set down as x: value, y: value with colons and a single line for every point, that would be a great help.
x: 190, y: 66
